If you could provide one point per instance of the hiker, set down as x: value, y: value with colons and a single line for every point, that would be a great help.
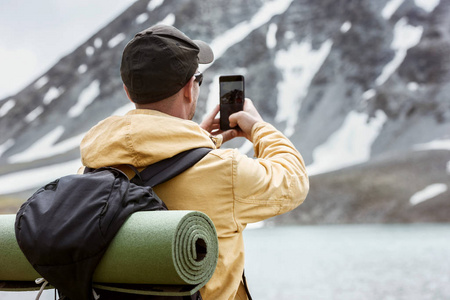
x: 160, y: 73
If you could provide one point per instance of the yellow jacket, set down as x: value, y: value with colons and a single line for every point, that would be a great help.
x: 231, y: 188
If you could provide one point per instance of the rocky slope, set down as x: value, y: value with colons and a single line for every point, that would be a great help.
x: 379, y: 191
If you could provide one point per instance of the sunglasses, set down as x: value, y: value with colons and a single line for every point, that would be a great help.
x: 199, y: 78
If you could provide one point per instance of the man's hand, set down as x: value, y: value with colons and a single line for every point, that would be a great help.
x: 245, y: 119
x: 212, y: 125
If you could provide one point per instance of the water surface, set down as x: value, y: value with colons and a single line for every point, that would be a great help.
x: 369, y: 262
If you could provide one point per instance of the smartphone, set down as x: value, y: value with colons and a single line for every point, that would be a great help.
x: 232, y: 96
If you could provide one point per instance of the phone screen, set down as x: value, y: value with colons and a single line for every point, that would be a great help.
x: 231, y: 98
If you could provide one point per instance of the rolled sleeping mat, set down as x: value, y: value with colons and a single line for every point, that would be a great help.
x: 154, y: 253
x: 16, y: 273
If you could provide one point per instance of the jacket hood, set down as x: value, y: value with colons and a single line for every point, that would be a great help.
x: 140, y: 138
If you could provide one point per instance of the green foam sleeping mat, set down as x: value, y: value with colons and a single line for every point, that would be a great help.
x: 154, y: 253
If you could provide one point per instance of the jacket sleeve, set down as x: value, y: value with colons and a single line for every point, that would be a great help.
x: 273, y: 183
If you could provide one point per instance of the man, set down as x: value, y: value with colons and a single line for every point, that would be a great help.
x: 160, y: 74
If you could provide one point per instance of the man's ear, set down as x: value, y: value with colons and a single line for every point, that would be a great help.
x: 128, y: 93
x: 189, y: 90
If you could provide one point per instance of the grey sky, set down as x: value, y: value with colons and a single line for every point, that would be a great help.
x: 34, y: 35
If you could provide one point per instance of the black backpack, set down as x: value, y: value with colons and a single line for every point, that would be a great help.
x: 88, y: 210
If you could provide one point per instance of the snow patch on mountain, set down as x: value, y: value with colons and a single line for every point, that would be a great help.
x: 90, y: 51
x: 168, y: 20
x: 41, y: 82
x: 6, y: 107
x: 349, y: 145
x: 116, y: 40
x: 428, y: 193
x: 413, y: 86
x: 236, y: 34
x: 427, y: 5
x: 86, y: 97
x: 52, y: 94
x: 82, y: 68
x: 405, y: 37
x: 369, y: 94
x: 299, y: 64
x: 154, y: 4
x: 31, y: 116
x: 390, y: 8
x: 141, y: 18
x: 346, y: 26
x: 5, y: 146
x: 98, y: 42
x: 443, y: 144
x: 271, y: 39
x: 47, y: 147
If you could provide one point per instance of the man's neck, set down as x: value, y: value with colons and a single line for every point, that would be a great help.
x: 170, y: 106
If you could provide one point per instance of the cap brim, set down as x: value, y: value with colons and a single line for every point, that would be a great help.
x: 206, y: 55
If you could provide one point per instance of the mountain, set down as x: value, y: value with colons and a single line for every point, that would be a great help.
x: 361, y: 87
x: 383, y: 190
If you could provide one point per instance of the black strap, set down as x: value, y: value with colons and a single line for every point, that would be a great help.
x: 168, y: 168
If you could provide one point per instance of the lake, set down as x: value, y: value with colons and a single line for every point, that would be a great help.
x: 360, y: 262
x: 349, y: 262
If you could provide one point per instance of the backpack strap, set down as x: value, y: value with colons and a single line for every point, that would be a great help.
x: 168, y: 168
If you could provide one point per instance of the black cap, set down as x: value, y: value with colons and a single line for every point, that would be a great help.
x: 159, y: 61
